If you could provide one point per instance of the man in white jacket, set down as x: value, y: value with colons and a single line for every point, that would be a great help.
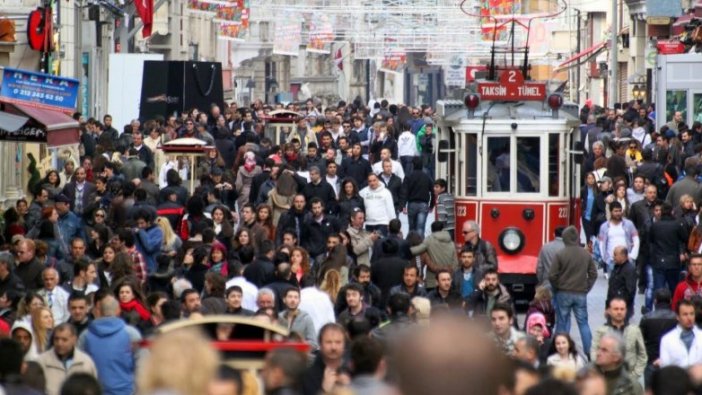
x: 379, y: 205
x: 682, y: 346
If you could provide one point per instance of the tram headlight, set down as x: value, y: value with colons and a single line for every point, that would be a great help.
x: 512, y: 240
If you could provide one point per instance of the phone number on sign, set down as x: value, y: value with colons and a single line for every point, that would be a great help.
x: 38, y: 95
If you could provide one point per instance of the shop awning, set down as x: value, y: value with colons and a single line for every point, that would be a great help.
x: 11, y: 122
x: 41, y: 126
x: 581, y: 56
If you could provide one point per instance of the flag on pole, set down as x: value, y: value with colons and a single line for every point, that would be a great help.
x: 339, y: 59
x: 145, y: 8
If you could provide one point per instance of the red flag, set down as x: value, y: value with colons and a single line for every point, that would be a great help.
x: 339, y: 59
x: 145, y: 8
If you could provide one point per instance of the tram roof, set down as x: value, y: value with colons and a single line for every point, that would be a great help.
x: 454, y: 111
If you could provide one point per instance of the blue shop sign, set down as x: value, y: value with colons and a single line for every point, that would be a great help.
x: 39, y: 90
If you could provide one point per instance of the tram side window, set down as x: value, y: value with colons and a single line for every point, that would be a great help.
x: 528, y: 164
x: 498, y: 173
x: 471, y: 165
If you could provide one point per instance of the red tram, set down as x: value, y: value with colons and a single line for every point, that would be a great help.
x: 506, y: 155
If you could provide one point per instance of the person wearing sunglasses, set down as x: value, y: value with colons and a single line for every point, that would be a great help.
x: 485, y: 253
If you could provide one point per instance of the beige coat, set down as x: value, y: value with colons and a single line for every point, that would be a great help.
x: 56, y: 373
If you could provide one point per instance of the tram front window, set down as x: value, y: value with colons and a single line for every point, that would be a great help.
x: 528, y: 164
x: 498, y: 171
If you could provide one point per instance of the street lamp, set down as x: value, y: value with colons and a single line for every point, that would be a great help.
x: 639, y: 92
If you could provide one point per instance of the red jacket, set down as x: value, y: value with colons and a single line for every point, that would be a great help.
x: 686, y: 289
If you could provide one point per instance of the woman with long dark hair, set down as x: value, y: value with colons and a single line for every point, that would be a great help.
x: 52, y: 183
x: 224, y: 231
x: 564, y: 353
x: 264, y: 217
x: 132, y: 304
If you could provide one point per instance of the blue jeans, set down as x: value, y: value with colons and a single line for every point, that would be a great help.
x: 663, y: 277
x: 407, y: 165
x: 383, y: 229
x: 577, y: 303
x: 648, y: 294
x: 417, y: 216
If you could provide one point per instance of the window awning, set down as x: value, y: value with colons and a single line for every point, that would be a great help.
x: 582, y: 56
x: 40, y: 126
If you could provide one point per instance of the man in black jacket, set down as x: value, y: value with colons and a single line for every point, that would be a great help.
x: 388, y: 270
x: 293, y: 219
x: 372, y: 296
x: 653, y: 326
x: 260, y: 179
x: 417, y: 190
x: 394, y: 233
x: 444, y: 294
x: 622, y: 282
x: 261, y: 271
x: 319, y: 188
x: 356, y: 167
x: 319, y: 226
x: 332, y: 344
x: 667, y: 239
x: 641, y: 214
x: 393, y: 183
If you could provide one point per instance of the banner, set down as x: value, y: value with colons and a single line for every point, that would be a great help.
x: 40, y: 90
x: 321, y: 34
x: 498, y: 8
x: 202, y: 7
x: 231, y: 31
x: 230, y: 13
x: 288, y: 37
x: 394, y: 60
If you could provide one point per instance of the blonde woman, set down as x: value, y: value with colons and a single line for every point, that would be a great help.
x: 42, y: 325
x: 331, y: 284
x: 171, y: 242
x: 166, y: 371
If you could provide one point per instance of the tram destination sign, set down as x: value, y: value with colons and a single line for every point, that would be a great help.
x: 511, y: 87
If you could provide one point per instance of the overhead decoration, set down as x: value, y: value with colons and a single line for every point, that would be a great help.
x: 231, y: 31
x: 321, y: 33
x: 395, y: 58
x: 437, y: 28
x: 288, y: 36
x: 492, y: 9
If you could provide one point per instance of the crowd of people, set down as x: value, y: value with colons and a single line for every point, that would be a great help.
x: 305, y: 233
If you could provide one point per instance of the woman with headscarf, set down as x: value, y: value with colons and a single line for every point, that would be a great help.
x: 245, y: 176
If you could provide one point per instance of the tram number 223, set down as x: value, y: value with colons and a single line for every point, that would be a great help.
x: 562, y: 212
x: 461, y: 211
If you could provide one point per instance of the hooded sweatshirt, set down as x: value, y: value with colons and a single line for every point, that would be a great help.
x: 573, y: 269
x: 32, y: 353
x: 379, y: 205
x: 108, y: 343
